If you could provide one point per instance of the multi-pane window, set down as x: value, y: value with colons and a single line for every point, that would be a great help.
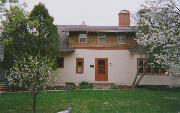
x: 121, y: 39
x: 147, y: 69
x: 101, y: 39
x: 140, y: 63
x: 83, y: 38
x: 79, y: 65
x: 60, y: 62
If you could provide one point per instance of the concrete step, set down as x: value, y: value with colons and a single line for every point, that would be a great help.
x: 2, y: 82
x: 4, y: 89
x: 3, y: 86
x: 103, y: 85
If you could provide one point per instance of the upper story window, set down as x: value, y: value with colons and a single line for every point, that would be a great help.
x: 83, y: 38
x: 101, y: 39
x: 121, y: 39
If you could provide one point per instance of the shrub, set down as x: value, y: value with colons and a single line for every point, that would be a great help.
x: 70, y: 86
x: 114, y: 87
x: 85, y: 85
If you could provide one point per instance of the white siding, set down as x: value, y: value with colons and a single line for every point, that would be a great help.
x: 121, y: 68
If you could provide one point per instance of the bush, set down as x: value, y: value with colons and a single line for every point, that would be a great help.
x: 114, y: 87
x: 70, y: 86
x: 85, y: 85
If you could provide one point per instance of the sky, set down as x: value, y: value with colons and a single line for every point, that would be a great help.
x: 92, y: 12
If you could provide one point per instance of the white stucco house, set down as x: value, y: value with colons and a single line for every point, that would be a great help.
x: 104, y: 55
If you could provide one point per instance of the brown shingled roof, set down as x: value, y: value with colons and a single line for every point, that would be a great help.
x: 85, y: 28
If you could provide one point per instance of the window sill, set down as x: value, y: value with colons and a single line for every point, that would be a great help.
x: 78, y: 73
x: 83, y: 42
x: 121, y: 43
x: 101, y: 43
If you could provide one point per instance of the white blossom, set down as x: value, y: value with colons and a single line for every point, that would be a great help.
x: 158, y: 31
x: 31, y: 73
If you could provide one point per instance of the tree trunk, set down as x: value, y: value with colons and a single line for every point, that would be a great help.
x: 135, y: 82
x: 34, y: 101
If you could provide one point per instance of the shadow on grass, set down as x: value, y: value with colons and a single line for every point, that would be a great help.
x: 161, y: 88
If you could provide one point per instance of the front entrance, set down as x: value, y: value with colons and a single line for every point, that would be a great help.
x: 101, y: 69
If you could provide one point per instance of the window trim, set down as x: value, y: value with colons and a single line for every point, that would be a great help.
x: 99, y: 36
x: 80, y: 60
x: 119, y: 37
x: 82, y: 37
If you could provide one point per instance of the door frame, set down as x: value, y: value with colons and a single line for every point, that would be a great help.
x: 101, y: 77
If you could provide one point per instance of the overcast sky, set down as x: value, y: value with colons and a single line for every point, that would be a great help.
x: 93, y: 12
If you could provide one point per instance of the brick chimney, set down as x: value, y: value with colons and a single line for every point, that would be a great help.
x: 124, y: 18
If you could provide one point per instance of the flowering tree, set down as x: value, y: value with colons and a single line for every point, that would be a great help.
x: 32, y: 74
x: 29, y: 57
x: 158, y: 32
x: 4, y: 5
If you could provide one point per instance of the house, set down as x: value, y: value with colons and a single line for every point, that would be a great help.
x: 105, y: 55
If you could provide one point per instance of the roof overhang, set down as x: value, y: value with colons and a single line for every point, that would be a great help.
x: 106, y: 29
x: 103, y: 31
x: 67, y: 50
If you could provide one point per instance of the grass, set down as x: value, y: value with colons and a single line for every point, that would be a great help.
x: 93, y: 101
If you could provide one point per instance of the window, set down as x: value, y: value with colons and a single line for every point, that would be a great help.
x: 121, y: 39
x: 83, y: 38
x: 156, y: 71
x: 60, y: 62
x: 101, y: 39
x: 140, y: 62
x: 178, y: 71
x: 79, y: 65
x: 147, y: 69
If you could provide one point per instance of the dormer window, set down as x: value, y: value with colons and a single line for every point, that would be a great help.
x: 121, y: 39
x: 101, y: 39
x: 83, y: 38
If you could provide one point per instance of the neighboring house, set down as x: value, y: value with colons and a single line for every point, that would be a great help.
x: 104, y: 54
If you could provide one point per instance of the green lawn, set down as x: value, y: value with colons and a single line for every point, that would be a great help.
x: 91, y: 101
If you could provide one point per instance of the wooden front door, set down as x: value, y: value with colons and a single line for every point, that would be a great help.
x: 101, y: 69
